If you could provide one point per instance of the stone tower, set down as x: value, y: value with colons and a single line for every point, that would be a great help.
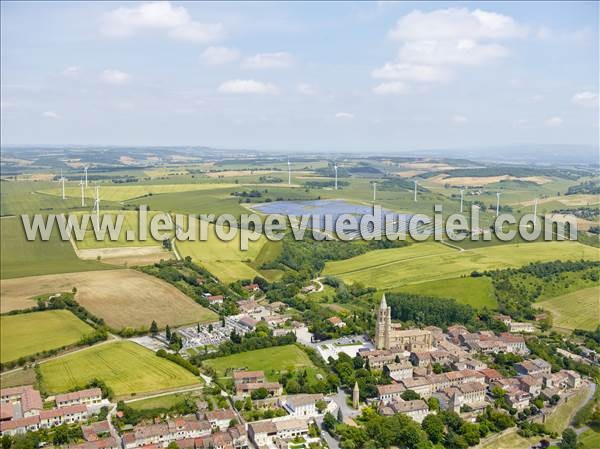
x: 383, y: 325
x: 355, y: 395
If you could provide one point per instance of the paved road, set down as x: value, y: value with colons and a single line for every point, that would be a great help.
x: 331, y: 442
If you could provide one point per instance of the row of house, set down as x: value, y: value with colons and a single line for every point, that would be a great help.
x: 22, y: 409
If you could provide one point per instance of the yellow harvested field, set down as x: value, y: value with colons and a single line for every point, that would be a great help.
x: 123, y: 298
x: 568, y: 200
x: 485, y: 180
x: 233, y: 173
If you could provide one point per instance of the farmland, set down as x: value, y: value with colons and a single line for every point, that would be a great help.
x: 225, y: 259
x: 476, y: 292
x: 390, y: 268
x: 29, y: 333
x: 126, y: 367
x: 123, y: 298
x: 576, y: 310
x: 127, y: 192
x: 20, y: 257
x: 270, y: 360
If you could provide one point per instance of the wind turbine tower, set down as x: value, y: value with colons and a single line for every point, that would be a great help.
x: 535, y: 201
x: 85, y: 174
x: 462, y: 197
x: 498, y: 203
x: 374, y: 191
x: 97, y: 204
x: 416, y: 191
x: 62, y: 181
x: 335, y: 169
x: 289, y: 173
x: 82, y: 193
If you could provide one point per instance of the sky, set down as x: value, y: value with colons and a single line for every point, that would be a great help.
x: 355, y: 76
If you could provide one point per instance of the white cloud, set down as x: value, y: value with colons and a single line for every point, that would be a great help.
x: 306, y: 89
x: 460, y: 52
x: 459, y: 119
x: 71, y: 72
x: 51, y: 115
x: 456, y: 24
x: 585, y: 98
x: 434, y: 44
x: 248, y: 87
x: 219, y: 55
x: 159, y: 16
x: 113, y: 76
x: 553, y: 122
x: 277, y: 60
x: 411, y: 72
x: 344, y: 115
x: 392, y: 88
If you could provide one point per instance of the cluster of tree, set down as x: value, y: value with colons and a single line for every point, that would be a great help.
x: 426, y: 310
x: 397, y: 183
x: 296, y: 381
x: 587, y: 213
x: 350, y: 370
x: 124, y: 179
x: 261, y: 337
x: 248, y: 194
x: 176, y: 358
x: 192, y: 280
x: 132, y: 416
x: 270, y: 179
x: 587, y: 187
x: 517, y: 288
x: 251, y: 413
x: 328, y: 184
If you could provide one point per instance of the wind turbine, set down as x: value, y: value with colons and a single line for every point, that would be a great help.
x: 85, y: 168
x: 82, y: 193
x: 289, y: 172
x: 497, y: 203
x: 374, y: 190
x: 335, y: 169
x: 62, y: 181
x: 97, y: 204
x: 462, y: 196
x: 535, y: 201
x: 416, y: 191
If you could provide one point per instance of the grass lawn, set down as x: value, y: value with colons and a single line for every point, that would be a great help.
x: 270, y: 360
x: 392, y: 268
x: 20, y: 257
x: 590, y: 439
x: 510, y: 440
x: 29, y: 333
x: 166, y: 401
x: 576, y: 310
x: 560, y: 418
x: 476, y: 292
x: 126, y: 367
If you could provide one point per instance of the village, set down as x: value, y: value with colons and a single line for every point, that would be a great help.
x: 427, y: 370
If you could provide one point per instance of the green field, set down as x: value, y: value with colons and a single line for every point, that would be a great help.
x: 224, y: 259
x: 590, y: 439
x: 476, y: 292
x: 167, y: 401
x: 429, y: 261
x: 129, y: 190
x: 130, y: 223
x: 29, y: 333
x: 576, y: 310
x: 20, y: 257
x: 126, y: 367
x: 270, y: 360
x: 561, y: 416
x: 17, y: 378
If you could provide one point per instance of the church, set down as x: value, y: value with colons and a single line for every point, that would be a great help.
x: 391, y: 336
